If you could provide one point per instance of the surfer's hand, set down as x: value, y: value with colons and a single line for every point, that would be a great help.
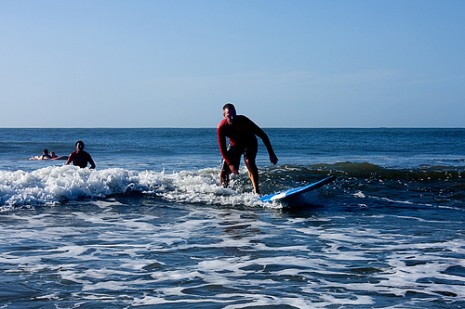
x: 233, y: 169
x: 273, y: 158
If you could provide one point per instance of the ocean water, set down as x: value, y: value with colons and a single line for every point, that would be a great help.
x: 150, y: 227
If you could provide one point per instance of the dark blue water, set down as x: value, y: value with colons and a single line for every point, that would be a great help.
x: 152, y: 227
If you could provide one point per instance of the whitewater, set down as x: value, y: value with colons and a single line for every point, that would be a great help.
x: 152, y: 227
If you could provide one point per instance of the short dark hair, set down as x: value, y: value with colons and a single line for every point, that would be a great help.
x: 80, y: 143
x: 229, y: 106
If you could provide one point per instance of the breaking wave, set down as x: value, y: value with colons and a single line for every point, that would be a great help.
x: 57, y: 184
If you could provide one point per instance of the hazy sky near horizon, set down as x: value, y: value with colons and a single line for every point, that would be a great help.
x: 288, y: 63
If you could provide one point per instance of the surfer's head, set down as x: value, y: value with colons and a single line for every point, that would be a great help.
x: 80, y: 145
x: 229, y: 112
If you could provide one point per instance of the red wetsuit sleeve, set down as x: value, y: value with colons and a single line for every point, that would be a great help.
x: 70, y: 158
x: 91, y: 161
x: 222, y: 141
x: 264, y: 137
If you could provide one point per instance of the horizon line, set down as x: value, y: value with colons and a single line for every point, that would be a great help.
x: 264, y: 127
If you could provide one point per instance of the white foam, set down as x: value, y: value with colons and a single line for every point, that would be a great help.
x: 55, y: 184
x: 227, y: 257
x: 359, y: 194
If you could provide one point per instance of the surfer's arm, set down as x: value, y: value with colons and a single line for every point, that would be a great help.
x: 222, y: 145
x: 92, y: 164
x: 91, y: 161
x: 70, y: 159
x: 266, y: 141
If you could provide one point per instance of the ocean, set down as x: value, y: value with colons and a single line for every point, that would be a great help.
x: 150, y: 227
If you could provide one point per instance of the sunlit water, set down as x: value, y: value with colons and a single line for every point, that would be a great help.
x: 151, y: 227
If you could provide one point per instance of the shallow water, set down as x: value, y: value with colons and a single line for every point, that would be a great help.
x: 145, y: 230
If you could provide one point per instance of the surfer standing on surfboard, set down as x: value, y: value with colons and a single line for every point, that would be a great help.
x: 242, y: 133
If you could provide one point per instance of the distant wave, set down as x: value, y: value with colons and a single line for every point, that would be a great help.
x: 368, y: 170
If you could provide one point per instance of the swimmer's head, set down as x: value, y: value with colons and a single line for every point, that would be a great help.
x: 80, y: 145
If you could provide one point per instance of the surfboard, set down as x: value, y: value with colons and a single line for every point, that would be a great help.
x: 295, y: 192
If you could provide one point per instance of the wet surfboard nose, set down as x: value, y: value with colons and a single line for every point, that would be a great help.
x: 294, y: 192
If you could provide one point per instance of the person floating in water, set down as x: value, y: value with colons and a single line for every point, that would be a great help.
x: 242, y: 133
x: 48, y: 156
x: 54, y: 156
x: 45, y: 155
x: 80, y: 157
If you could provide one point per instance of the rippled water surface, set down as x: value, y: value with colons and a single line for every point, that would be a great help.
x: 153, y: 228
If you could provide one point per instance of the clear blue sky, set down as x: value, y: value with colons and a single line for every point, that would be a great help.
x: 288, y: 63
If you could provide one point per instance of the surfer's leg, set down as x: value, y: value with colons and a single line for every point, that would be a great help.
x: 235, y: 157
x: 224, y: 179
x: 253, y: 174
x: 249, y: 159
x: 224, y: 175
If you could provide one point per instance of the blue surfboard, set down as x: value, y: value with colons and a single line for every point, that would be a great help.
x: 295, y: 192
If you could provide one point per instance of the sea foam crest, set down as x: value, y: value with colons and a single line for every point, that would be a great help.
x: 55, y: 184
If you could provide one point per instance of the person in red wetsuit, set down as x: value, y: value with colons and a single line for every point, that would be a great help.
x: 242, y: 133
x: 80, y: 157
